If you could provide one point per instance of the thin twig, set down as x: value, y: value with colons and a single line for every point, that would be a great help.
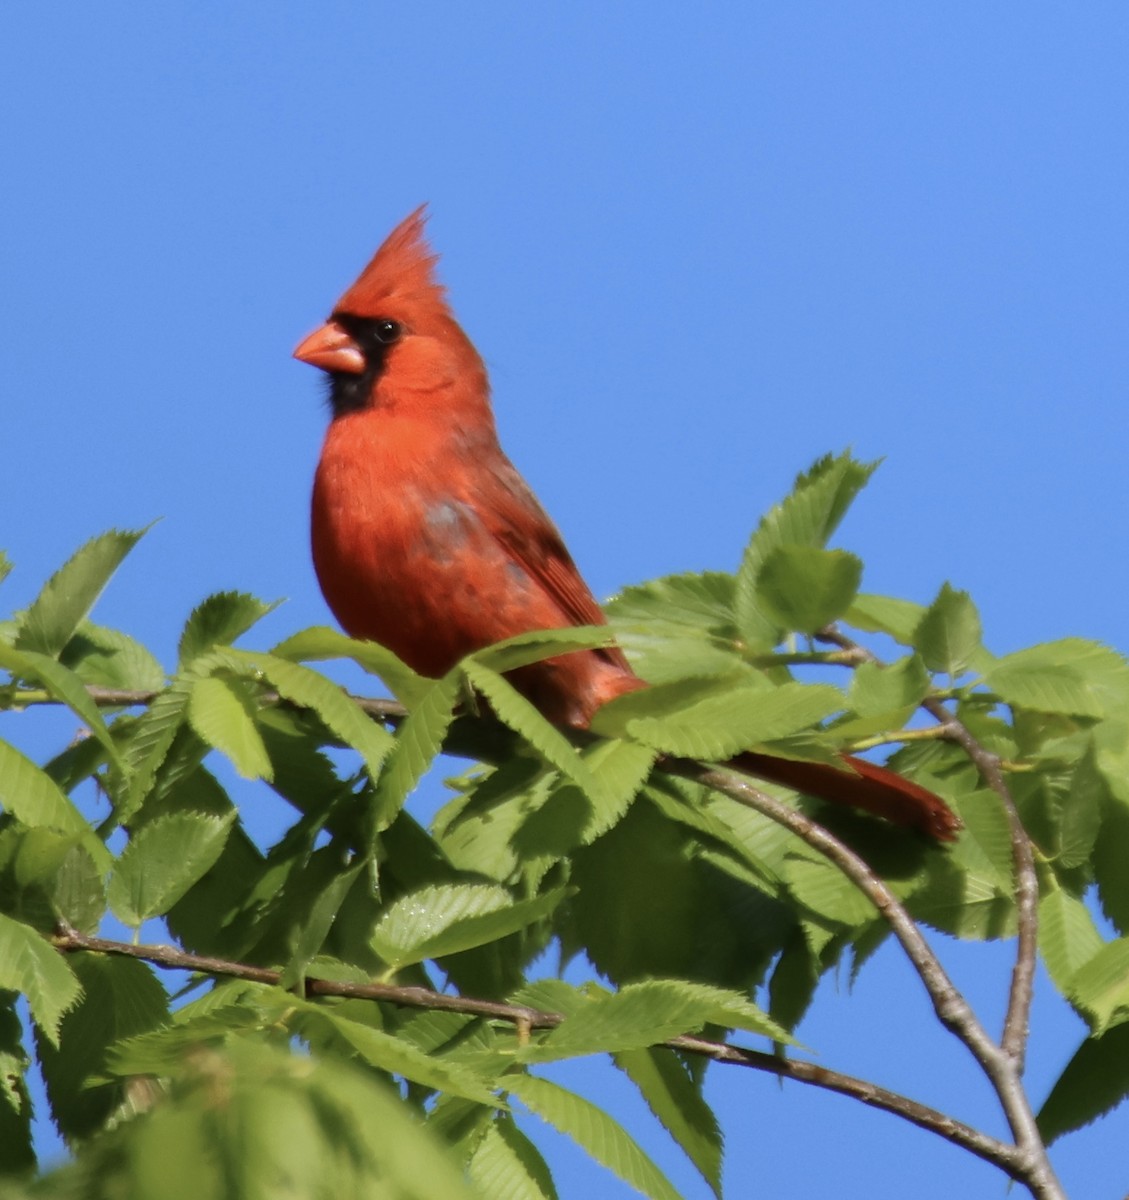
x: 525, y: 1018
x: 1018, y: 1019
x: 952, y: 1010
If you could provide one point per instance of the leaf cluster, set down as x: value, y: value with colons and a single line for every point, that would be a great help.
x: 264, y: 1061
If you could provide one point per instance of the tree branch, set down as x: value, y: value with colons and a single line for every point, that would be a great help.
x: 1021, y: 992
x: 992, y: 1150
x: 1002, y: 1064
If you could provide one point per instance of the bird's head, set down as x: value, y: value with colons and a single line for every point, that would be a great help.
x: 391, y: 339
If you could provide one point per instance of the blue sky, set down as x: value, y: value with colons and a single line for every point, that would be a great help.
x: 697, y: 248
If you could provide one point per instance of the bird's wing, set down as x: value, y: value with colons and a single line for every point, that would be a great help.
x: 529, y: 538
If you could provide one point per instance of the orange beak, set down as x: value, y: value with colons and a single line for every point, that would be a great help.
x: 331, y: 349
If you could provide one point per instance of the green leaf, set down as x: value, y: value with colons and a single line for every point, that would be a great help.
x: 807, y: 517
x: 886, y: 614
x: 1095, y: 1080
x: 678, y: 626
x: 540, y: 644
x: 694, y: 601
x: 122, y: 998
x: 1068, y: 937
x: 17, y: 1155
x: 969, y: 891
x: 674, y: 1098
x: 1081, y: 815
x: 512, y: 709
x: 594, y: 1131
x: 33, y: 797
x: 506, y: 1165
x: 418, y: 740
x: 218, y: 621
x: 826, y: 891
x: 332, y: 706
x: 1100, y: 987
x: 309, y: 936
x: 1073, y: 676
x: 150, y: 740
x: 71, y: 592
x: 805, y: 588
x: 255, y: 1121
x: 389, y: 1053
x: 321, y: 643
x: 162, y: 861
x: 948, y: 635
x: 29, y: 964
x: 647, y: 1013
x: 222, y: 712
x: 877, y: 689
x: 719, y: 719
x: 449, y: 918
x: 64, y: 685
x: 59, y: 867
x: 108, y: 658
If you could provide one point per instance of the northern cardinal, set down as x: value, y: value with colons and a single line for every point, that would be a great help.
x: 427, y: 540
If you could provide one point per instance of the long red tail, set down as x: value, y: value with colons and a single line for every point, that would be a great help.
x: 864, y: 786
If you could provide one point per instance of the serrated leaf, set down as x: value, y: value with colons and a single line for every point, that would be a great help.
x: 506, y: 1165
x: 678, y: 626
x: 218, y: 621
x: 1073, y: 676
x: 1081, y: 815
x: 71, y: 592
x: 390, y: 1053
x: 807, y: 517
x: 34, y: 798
x: 725, y: 720
x: 331, y: 886
x: 162, y: 861
x: 59, y: 866
x: 886, y: 614
x: 540, y: 644
x: 109, y: 658
x: 948, y: 635
x: 449, y: 918
x: 1095, y: 1080
x: 969, y: 891
x: 320, y: 643
x: 700, y: 601
x: 827, y: 892
x: 1068, y: 937
x: 804, y: 588
x: 512, y: 709
x: 676, y: 1101
x: 29, y: 964
x: 594, y: 1131
x: 150, y: 740
x: 121, y: 998
x: 1100, y: 987
x: 222, y: 713
x: 65, y: 686
x: 305, y: 687
x: 418, y: 740
x: 877, y: 689
x: 647, y: 1013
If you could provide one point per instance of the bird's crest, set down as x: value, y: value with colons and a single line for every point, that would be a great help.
x: 401, y: 272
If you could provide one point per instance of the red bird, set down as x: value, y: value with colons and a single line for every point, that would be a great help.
x: 427, y: 540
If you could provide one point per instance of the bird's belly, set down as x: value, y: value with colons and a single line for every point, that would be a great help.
x: 418, y: 573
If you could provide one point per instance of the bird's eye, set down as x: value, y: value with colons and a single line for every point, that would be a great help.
x: 387, y: 331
